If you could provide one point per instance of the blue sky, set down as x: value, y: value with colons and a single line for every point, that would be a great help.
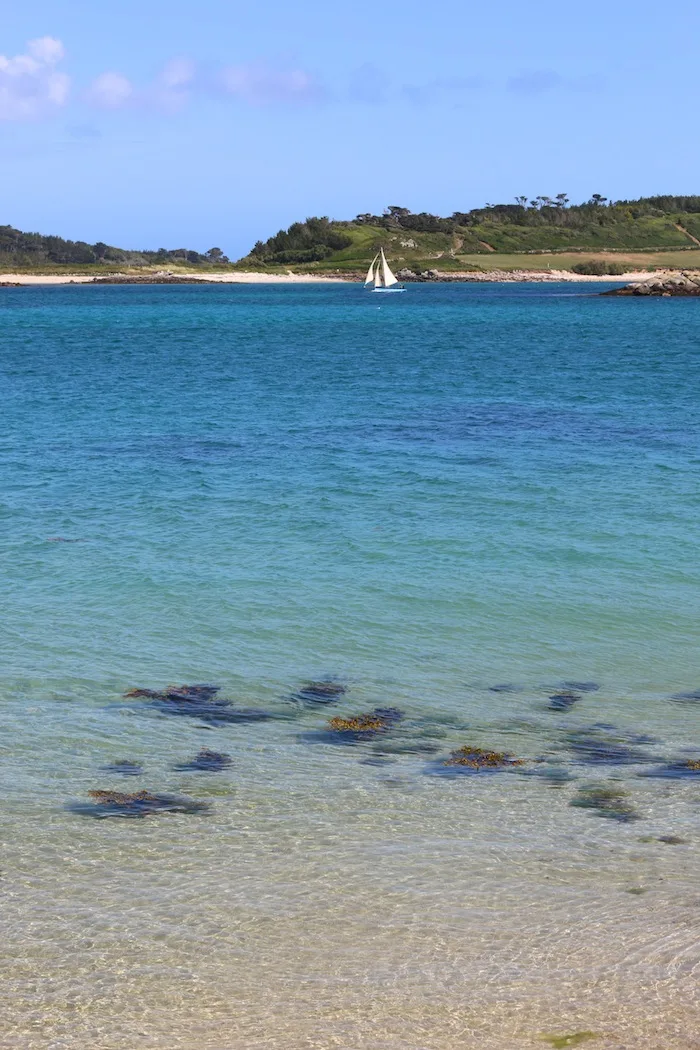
x: 165, y: 123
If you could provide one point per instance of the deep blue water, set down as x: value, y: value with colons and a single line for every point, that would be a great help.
x: 274, y: 481
x: 461, y: 487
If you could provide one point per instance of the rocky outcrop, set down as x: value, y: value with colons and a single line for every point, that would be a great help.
x: 682, y: 284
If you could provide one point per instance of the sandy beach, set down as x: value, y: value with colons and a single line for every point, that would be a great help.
x: 252, y: 277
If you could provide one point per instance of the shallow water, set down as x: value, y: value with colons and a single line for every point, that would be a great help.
x: 469, y: 487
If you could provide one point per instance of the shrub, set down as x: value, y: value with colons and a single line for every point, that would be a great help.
x: 598, y: 268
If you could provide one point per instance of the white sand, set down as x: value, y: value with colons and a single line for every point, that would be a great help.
x: 307, y: 278
x: 224, y: 278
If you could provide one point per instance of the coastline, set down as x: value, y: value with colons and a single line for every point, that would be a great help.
x: 253, y: 277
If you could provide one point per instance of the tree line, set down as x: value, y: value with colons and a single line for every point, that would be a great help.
x: 30, y: 249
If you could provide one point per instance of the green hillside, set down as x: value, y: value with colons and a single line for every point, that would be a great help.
x: 544, y: 225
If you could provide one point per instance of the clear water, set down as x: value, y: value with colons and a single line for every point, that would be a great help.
x: 461, y: 487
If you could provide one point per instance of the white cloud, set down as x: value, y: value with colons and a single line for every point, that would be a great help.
x: 30, y: 85
x: 110, y: 91
x: 177, y: 73
x: 261, y: 84
x: 46, y: 49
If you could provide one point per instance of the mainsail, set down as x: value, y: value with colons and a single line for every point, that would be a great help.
x: 387, y: 276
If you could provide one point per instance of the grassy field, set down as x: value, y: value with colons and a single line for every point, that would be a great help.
x: 646, y: 243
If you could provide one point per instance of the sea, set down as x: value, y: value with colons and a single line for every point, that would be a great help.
x: 452, y: 505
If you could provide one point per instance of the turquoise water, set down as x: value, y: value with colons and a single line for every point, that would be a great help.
x: 461, y: 487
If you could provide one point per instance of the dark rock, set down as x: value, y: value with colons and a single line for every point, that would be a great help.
x: 686, y: 284
x: 207, y: 761
x: 138, y: 804
x: 673, y: 840
x: 124, y: 767
x: 505, y: 687
x: 691, y: 697
x: 582, y: 687
x: 150, y: 279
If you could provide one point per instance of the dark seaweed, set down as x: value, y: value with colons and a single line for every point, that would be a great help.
x: 138, y: 804
x: 604, y: 745
x: 358, y: 728
x: 563, y: 701
x: 124, y: 767
x: 326, y: 692
x: 469, y: 759
x: 199, y: 701
x: 207, y: 761
x: 688, y: 769
x: 607, y: 801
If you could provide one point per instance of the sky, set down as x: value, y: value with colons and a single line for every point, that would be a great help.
x: 171, y: 123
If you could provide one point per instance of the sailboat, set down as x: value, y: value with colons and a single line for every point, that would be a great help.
x: 379, y: 276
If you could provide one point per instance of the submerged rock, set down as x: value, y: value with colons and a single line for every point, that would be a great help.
x: 138, y: 804
x: 207, y: 761
x: 469, y: 759
x: 582, y: 687
x: 692, y: 697
x: 199, y: 701
x: 684, y: 770
x: 505, y: 687
x: 320, y: 692
x: 358, y: 728
x: 603, y: 744
x: 563, y: 701
x: 124, y: 767
x: 607, y: 800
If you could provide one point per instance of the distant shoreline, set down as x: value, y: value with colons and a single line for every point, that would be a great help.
x: 251, y: 277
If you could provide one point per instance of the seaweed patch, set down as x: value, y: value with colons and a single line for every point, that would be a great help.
x: 607, y: 801
x: 137, y: 804
x: 124, y: 767
x: 207, y: 761
x: 357, y: 728
x: 198, y: 701
x: 322, y: 692
x: 470, y: 759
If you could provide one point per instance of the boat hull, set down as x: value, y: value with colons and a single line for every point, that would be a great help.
x: 388, y: 291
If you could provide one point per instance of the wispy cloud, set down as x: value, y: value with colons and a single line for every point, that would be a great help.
x: 368, y: 85
x: 541, y: 81
x: 450, y: 90
x: 110, y: 91
x: 30, y: 84
x: 172, y: 87
x: 261, y: 84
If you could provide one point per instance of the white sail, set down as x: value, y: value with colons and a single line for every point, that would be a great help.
x: 378, y: 274
x: 369, y: 279
x: 388, y: 278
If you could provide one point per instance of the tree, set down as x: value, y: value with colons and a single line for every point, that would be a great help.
x: 216, y: 255
x: 597, y: 200
x: 561, y: 200
x: 396, y: 213
x: 522, y: 201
